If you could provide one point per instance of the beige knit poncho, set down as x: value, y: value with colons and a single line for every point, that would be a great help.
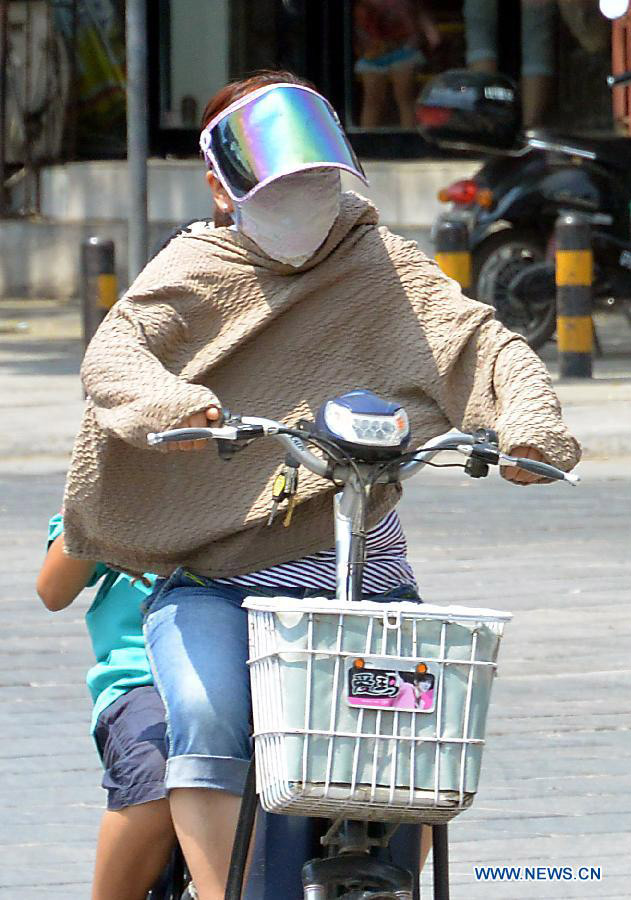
x: 213, y: 318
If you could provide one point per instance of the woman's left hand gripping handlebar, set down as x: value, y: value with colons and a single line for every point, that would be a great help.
x: 206, y: 418
x: 520, y: 476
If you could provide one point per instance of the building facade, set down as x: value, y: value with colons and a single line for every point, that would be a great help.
x: 63, y: 116
x: 62, y: 66
x: 372, y: 57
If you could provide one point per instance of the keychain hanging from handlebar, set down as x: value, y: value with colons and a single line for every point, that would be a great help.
x: 284, y: 487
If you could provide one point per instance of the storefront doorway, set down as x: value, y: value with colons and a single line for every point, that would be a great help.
x: 371, y: 58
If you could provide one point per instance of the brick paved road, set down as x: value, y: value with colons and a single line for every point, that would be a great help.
x: 556, y: 780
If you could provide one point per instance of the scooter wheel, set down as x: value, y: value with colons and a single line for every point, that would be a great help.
x: 496, y: 262
x: 532, y: 302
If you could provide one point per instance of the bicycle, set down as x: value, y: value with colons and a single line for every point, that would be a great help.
x: 173, y: 883
x: 360, y: 757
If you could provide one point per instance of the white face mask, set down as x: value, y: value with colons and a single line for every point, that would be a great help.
x: 290, y: 218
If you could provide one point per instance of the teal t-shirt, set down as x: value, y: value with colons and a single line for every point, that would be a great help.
x: 114, y: 623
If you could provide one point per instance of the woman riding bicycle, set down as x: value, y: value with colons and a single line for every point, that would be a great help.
x: 301, y: 297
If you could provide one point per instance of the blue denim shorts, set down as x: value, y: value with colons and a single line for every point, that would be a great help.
x: 196, y: 633
x: 130, y: 735
x: 389, y: 62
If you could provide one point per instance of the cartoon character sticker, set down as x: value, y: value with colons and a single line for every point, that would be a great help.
x: 369, y: 685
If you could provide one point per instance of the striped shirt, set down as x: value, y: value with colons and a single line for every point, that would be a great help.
x: 386, y: 565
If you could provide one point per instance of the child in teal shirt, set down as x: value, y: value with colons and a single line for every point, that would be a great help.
x: 114, y: 623
x: 128, y: 725
x: 136, y: 835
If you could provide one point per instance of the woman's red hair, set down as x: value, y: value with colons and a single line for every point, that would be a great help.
x: 237, y: 89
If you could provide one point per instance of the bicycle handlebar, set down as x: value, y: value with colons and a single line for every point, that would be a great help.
x: 249, y: 427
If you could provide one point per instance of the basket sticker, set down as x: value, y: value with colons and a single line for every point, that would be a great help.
x: 378, y: 684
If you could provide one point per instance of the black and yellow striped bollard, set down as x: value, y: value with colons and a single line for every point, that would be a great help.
x: 99, y: 283
x: 574, y: 277
x: 452, y: 251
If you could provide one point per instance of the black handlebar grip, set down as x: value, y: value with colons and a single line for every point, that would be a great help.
x: 539, y: 468
x: 184, y: 434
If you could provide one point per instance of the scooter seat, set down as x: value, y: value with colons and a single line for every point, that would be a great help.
x: 614, y: 151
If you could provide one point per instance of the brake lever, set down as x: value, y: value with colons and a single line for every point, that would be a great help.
x: 227, y: 449
x: 245, y: 433
x: 482, y: 455
x: 484, y: 452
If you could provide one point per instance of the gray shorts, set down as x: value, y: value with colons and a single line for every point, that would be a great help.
x: 131, y: 737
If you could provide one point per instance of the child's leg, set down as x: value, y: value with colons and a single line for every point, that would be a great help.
x: 136, y: 835
x: 134, y: 847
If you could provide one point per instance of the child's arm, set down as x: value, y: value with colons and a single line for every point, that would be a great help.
x: 61, y: 577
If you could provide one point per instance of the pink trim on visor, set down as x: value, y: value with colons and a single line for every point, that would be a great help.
x: 273, y: 131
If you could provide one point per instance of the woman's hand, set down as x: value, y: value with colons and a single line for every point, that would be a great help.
x: 202, y: 419
x: 519, y: 476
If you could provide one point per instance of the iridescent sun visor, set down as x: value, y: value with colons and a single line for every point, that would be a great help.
x: 274, y: 131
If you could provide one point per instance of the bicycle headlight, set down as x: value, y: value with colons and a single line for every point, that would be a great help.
x: 365, y: 424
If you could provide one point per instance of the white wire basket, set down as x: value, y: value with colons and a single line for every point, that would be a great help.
x: 370, y: 710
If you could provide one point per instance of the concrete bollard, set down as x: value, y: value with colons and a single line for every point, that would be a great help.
x: 99, y: 284
x: 574, y: 276
x: 452, y: 251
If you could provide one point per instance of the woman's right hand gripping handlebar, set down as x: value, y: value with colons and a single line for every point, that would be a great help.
x: 213, y: 416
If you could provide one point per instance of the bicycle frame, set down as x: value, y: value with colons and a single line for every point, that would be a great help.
x: 352, y: 864
x: 350, y: 520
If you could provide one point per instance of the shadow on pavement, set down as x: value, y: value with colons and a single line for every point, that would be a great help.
x: 43, y: 356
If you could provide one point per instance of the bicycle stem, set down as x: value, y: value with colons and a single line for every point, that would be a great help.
x: 350, y: 539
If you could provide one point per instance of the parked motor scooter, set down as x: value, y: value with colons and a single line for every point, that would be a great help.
x: 529, y: 179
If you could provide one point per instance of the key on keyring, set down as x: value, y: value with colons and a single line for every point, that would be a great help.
x: 279, y: 493
x: 290, y: 490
